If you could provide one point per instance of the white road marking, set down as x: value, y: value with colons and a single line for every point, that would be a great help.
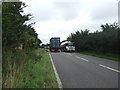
x: 69, y: 54
x: 82, y: 58
x: 56, y: 74
x: 109, y: 68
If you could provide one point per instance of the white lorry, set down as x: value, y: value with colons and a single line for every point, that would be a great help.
x: 67, y: 46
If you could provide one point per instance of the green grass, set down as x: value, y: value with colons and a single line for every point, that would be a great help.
x: 37, y: 73
x: 105, y: 56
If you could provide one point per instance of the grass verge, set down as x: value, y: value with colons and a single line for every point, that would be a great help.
x: 37, y: 73
x: 105, y: 56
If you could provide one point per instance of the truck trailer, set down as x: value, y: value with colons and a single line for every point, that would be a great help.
x: 55, y: 44
x: 67, y: 46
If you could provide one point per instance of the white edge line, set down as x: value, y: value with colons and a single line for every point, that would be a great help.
x: 82, y: 58
x: 109, y: 68
x: 56, y: 74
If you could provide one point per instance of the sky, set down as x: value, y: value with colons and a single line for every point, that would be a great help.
x: 60, y: 18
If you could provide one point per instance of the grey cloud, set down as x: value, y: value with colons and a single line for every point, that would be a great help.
x: 39, y: 12
x: 69, y: 10
x: 61, y: 10
x: 44, y: 15
x: 119, y: 14
x: 105, y: 11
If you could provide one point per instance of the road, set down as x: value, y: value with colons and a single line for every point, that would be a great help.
x: 83, y: 71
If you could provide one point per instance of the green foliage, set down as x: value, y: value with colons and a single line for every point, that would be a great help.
x: 13, y: 63
x: 108, y: 56
x: 37, y: 74
x: 105, y: 41
x: 80, y: 38
x: 15, y: 31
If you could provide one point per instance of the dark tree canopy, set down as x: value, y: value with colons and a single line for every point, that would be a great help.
x: 14, y: 29
x: 105, y: 41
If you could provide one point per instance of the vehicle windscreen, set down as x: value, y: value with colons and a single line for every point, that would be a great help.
x: 70, y: 44
x: 55, y: 42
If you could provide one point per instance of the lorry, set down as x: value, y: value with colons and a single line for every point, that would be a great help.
x: 55, y: 44
x: 67, y: 46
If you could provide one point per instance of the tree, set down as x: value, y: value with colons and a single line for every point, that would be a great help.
x: 15, y: 31
x: 105, y: 41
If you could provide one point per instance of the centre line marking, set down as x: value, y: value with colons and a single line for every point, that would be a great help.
x: 109, y: 68
x: 82, y: 58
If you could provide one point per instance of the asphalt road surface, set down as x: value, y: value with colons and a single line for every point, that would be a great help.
x: 83, y: 71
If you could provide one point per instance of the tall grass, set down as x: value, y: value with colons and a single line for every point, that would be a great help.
x: 13, y: 63
x: 37, y: 74
x: 28, y: 69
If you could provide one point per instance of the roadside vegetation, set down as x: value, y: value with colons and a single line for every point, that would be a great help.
x: 37, y: 74
x: 24, y: 64
x: 114, y: 57
x: 104, y: 43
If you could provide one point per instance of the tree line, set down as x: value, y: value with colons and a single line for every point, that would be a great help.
x: 104, y: 41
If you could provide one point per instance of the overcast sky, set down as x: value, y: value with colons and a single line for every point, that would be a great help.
x: 59, y: 18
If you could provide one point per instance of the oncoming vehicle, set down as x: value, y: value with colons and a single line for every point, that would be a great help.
x: 67, y: 46
x: 55, y: 44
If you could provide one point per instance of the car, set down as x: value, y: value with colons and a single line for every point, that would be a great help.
x: 47, y: 48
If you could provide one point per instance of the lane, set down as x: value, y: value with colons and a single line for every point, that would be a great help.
x: 83, y: 72
x: 81, y: 58
x: 109, y: 68
x: 114, y: 66
x: 96, y: 60
x: 99, y: 61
